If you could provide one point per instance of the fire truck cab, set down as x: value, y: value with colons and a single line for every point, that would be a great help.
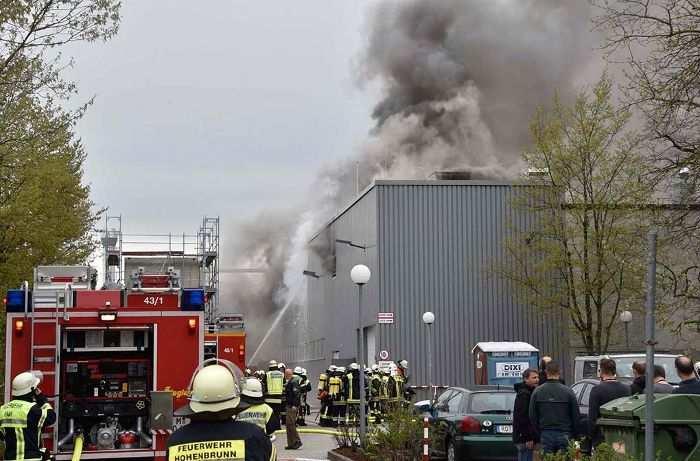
x: 115, y: 362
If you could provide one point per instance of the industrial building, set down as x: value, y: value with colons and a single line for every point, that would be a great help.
x: 431, y: 246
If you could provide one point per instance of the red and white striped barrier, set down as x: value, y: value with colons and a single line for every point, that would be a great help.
x: 426, y: 440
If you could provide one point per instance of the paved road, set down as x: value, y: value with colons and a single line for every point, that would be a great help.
x: 316, y: 446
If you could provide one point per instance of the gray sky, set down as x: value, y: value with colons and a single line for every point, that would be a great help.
x: 225, y: 107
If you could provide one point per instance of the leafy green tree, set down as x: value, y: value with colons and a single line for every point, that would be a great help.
x: 584, y: 251
x: 46, y: 215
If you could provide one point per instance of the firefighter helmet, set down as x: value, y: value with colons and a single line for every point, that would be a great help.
x: 354, y: 366
x: 403, y: 363
x: 281, y: 366
x: 375, y: 367
x: 303, y: 372
x: 24, y: 383
x: 298, y: 370
x: 213, y: 388
x: 252, y: 388
x: 273, y: 364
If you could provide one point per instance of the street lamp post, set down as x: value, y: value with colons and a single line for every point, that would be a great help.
x: 428, y: 319
x: 360, y: 275
x: 626, y: 318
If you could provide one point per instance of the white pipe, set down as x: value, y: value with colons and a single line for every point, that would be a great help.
x: 69, y: 435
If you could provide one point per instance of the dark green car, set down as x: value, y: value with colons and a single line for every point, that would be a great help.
x: 474, y: 424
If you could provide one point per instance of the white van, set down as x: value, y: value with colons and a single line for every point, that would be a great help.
x: 586, y: 366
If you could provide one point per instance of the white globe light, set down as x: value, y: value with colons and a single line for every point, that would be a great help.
x: 428, y: 318
x: 360, y: 274
x: 626, y: 316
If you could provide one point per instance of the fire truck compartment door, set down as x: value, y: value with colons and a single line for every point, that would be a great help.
x: 161, y: 410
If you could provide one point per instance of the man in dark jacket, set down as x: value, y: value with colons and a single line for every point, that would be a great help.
x: 554, y: 411
x: 639, y: 371
x: 606, y: 391
x: 292, y: 398
x: 524, y: 432
x: 689, y: 383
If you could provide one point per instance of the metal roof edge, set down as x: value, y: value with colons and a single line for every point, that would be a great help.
x: 412, y: 182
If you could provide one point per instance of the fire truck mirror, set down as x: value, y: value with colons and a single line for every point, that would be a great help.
x: 161, y: 410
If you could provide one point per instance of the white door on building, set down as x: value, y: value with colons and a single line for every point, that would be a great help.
x: 371, y: 345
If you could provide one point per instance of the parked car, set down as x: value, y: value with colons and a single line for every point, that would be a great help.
x: 473, y: 424
x: 582, y: 389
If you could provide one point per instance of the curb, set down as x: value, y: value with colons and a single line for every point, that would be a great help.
x: 336, y: 457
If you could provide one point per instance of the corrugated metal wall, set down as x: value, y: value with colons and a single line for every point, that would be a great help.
x: 437, y: 243
x: 440, y: 246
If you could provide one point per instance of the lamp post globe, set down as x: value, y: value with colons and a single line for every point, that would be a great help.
x: 428, y: 318
x: 626, y: 316
x: 360, y: 274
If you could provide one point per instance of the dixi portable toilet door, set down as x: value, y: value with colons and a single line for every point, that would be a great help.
x: 503, y: 363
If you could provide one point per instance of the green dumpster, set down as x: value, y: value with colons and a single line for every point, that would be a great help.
x: 676, y: 426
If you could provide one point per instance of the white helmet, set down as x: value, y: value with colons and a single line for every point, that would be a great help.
x: 303, y: 372
x: 213, y: 388
x: 25, y: 382
x: 298, y: 370
x: 273, y: 363
x: 252, y: 388
x: 375, y: 367
x: 340, y: 369
x: 332, y: 368
x: 354, y: 366
x: 403, y: 363
x: 281, y: 366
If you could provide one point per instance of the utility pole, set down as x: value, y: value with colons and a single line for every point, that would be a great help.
x: 649, y: 449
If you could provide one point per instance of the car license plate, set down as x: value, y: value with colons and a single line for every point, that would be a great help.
x: 504, y: 429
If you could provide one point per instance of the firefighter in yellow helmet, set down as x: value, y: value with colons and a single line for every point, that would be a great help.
x: 23, y: 418
x: 214, y: 401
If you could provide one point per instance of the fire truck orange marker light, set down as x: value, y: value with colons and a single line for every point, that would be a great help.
x: 192, y: 323
x: 19, y: 325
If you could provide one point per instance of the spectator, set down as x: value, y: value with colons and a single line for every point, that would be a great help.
x: 606, y: 391
x: 661, y: 386
x: 554, y: 411
x: 524, y: 432
x: 689, y: 383
x: 639, y: 371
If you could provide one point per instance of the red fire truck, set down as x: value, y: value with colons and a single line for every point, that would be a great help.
x: 115, y: 362
x: 225, y: 339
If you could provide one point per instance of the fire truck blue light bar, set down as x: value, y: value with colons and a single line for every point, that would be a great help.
x: 15, y: 301
x: 192, y: 299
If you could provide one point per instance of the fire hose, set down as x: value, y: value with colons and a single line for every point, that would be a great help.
x: 77, y: 447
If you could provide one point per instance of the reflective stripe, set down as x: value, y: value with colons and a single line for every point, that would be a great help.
x: 19, y: 434
x: 273, y: 453
x: 44, y: 410
x: 257, y: 414
x: 7, y: 422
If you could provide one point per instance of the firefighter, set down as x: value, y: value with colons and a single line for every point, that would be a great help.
x: 352, y: 381
x: 375, y: 385
x: 274, y: 388
x: 24, y: 417
x: 214, y: 399
x: 404, y: 390
x: 342, y: 402
x: 393, y: 396
x: 323, y: 395
x: 283, y: 407
x: 247, y: 373
x: 335, y: 389
x: 258, y: 413
x: 383, y: 392
x: 305, y: 387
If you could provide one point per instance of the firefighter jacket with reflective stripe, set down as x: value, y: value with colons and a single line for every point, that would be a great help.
x: 399, y: 384
x: 384, y: 389
x: 275, y: 386
x: 261, y: 416
x: 353, y: 389
x: 223, y: 439
x: 21, y: 423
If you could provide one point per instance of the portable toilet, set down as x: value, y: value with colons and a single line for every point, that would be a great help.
x: 503, y: 362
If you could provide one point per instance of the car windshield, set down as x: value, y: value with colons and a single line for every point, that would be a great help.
x: 624, y: 367
x: 492, y: 402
